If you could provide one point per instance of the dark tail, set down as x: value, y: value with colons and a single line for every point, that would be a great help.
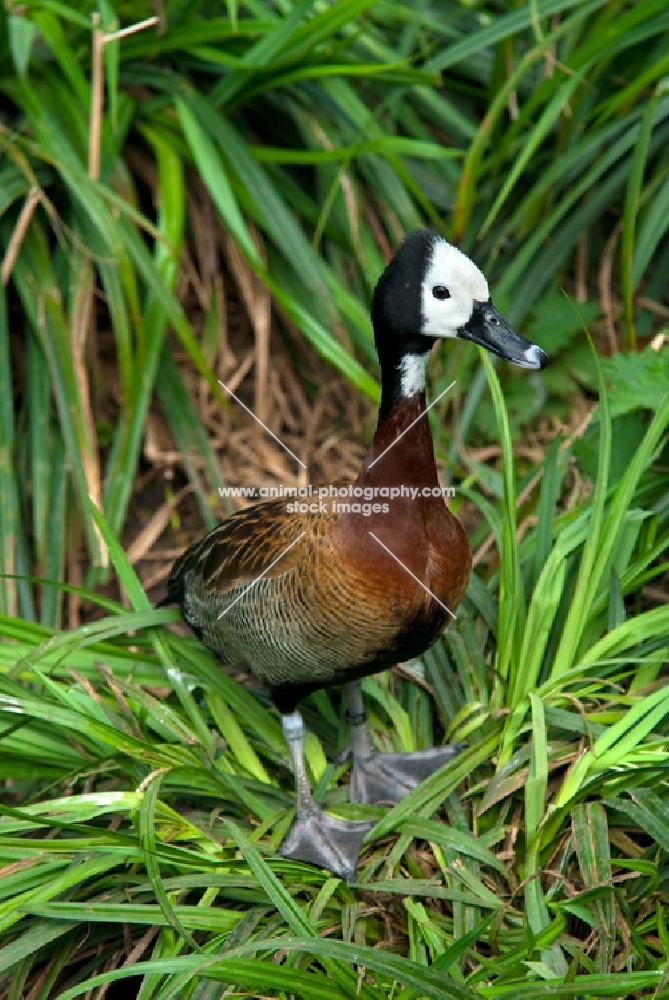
x: 175, y: 581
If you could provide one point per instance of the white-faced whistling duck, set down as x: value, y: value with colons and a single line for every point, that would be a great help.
x: 339, y: 595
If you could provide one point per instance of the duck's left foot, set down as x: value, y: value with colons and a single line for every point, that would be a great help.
x: 388, y: 777
x: 325, y: 841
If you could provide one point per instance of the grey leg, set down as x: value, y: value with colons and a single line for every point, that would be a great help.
x: 295, y: 734
x: 316, y: 837
x: 362, y: 746
x: 385, y: 777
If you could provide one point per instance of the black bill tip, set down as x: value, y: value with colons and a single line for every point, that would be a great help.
x: 535, y: 357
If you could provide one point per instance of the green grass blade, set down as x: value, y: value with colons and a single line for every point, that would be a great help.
x: 587, y: 581
x: 591, y: 840
x: 631, y: 211
x: 512, y: 597
x: 147, y: 836
x: 9, y: 501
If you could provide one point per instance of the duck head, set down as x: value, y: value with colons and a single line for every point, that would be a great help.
x: 431, y: 291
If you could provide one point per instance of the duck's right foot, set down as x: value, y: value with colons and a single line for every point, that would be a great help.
x: 386, y: 777
x: 325, y: 841
x: 389, y: 777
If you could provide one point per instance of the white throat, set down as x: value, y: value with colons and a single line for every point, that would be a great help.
x: 412, y: 373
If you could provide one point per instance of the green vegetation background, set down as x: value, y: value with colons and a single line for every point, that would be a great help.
x: 145, y: 791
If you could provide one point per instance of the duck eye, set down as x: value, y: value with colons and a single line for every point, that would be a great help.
x: 441, y: 292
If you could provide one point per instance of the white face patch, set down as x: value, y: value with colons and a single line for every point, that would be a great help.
x: 412, y: 373
x: 451, y: 269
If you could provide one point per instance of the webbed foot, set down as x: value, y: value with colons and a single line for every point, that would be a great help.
x: 389, y: 777
x: 323, y: 840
